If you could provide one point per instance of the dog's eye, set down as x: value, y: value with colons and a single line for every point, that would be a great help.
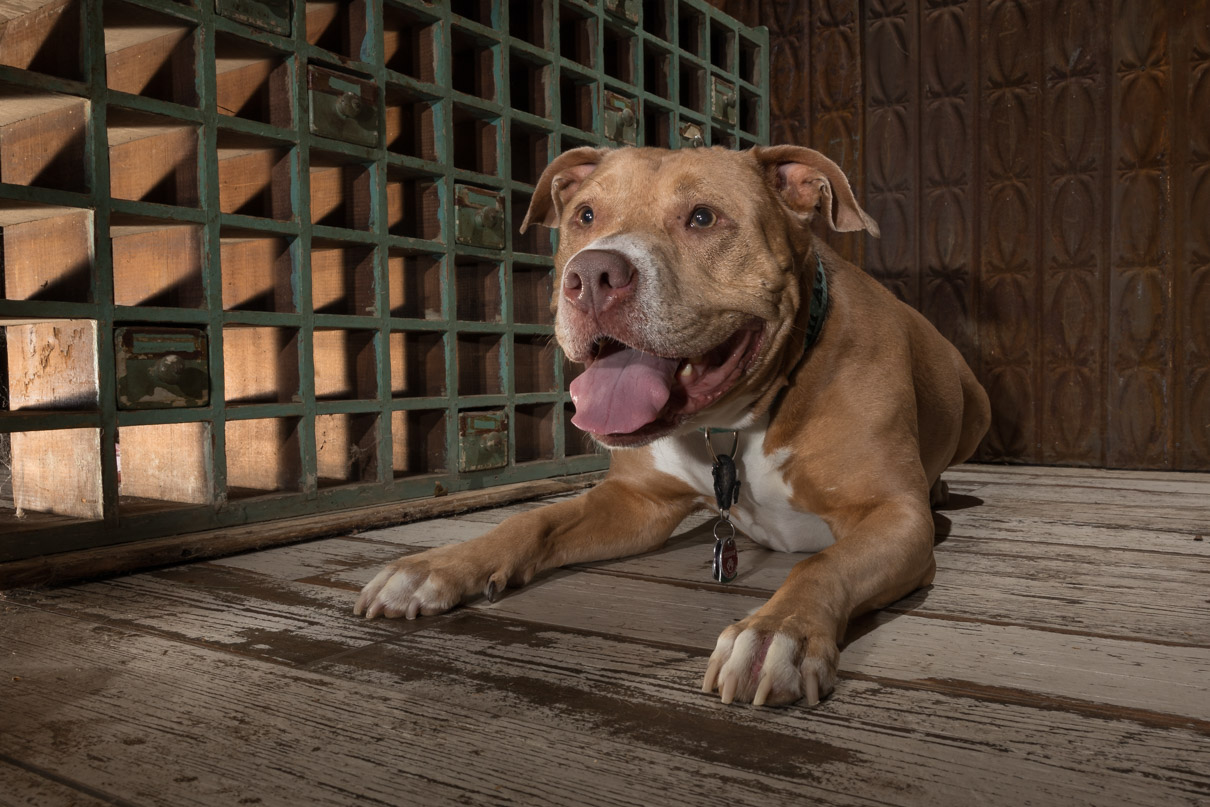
x: 702, y: 217
x: 586, y: 216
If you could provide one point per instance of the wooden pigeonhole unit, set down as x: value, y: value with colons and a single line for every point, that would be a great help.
x: 260, y: 258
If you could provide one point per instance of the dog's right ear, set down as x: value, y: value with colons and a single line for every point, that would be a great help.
x: 559, y: 182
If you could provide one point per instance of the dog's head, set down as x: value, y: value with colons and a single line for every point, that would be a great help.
x: 678, y: 277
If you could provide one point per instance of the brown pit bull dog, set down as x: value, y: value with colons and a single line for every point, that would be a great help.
x: 692, y: 290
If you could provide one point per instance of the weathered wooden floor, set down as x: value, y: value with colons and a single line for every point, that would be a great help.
x: 1061, y: 658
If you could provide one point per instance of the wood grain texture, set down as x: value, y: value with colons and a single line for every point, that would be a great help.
x: 1041, y: 174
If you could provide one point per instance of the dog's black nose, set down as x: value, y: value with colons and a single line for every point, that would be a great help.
x: 597, y: 279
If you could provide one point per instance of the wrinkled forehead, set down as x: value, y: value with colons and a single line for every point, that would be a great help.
x: 647, y: 178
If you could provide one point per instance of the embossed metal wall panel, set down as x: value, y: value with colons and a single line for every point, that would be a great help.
x: 1040, y: 170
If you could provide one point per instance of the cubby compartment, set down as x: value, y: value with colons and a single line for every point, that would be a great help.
x: 749, y: 112
x: 163, y: 466
x: 152, y: 159
x: 722, y: 137
x: 575, y: 442
x: 414, y: 284
x: 57, y: 471
x: 257, y: 270
x: 252, y: 81
x: 407, y: 42
x: 474, y: 136
x: 260, y: 364
x: 577, y: 35
x: 52, y: 365
x: 46, y: 252
x: 337, y: 26
x: 413, y: 204
x: 533, y: 363
x: 479, y: 11
x: 691, y: 30
x: 578, y: 99
x: 529, y: 21
x: 340, y: 192
x: 529, y: 85
x: 657, y: 127
x: 657, y: 71
x: 417, y: 364
x: 749, y: 61
x: 262, y: 457
x: 722, y: 47
x: 42, y: 36
x: 618, y: 45
x: 473, y: 63
x: 533, y: 287
x: 534, y: 432
x: 342, y: 278
x: 345, y: 365
x: 530, y: 151
x: 477, y: 292
x: 149, y: 54
x: 346, y: 448
x: 479, y: 364
x: 156, y: 263
x: 693, y: 86
x: 42, y: 139
x: 411, y: 124
x: 657, y: 18
x: 253, y: 177
x: 418, y: 442
x: 536, y: 240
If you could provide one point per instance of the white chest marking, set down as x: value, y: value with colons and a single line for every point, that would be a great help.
x: 763, y: 512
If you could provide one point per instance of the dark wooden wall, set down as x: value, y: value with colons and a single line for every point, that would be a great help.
x: 1041, y: 173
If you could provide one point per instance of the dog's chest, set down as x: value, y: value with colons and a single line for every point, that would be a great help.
x: 763, y: 512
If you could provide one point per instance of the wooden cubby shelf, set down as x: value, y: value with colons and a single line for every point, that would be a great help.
x: 42, y: 36
x: 345, y: 364
x: 156, y: 262
x: 337, y: 26
x: 254, y: 176
x: 418, y: 442
x: 152, y: 159
x: 149, y: 54
x: 252, y: 82
x: 46, y: 253
x: 417, y: 364
x: 42, y: 139
x: 164, y: 466
x: 340, y: 192
x: 263, y: 457
x: 414, y: 282
x: 477, y: 290
x: 257, y: 271
x: 346, y: 448
x: 316, y: 205
x: 261, y: 364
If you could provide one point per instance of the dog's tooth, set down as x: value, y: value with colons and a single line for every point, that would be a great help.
x: 687, y: 370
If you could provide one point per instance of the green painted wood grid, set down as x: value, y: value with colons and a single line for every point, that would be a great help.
x: 474, y: 93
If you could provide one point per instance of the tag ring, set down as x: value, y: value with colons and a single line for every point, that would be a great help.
x: 710, y: 445
x: 720, y: 523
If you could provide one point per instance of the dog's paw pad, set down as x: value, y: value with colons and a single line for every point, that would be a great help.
x: 766, y: 669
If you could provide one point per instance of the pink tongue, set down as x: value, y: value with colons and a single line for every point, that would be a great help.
x: 622, y: 391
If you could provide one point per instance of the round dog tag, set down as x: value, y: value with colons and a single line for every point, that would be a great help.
x: 726, y: 560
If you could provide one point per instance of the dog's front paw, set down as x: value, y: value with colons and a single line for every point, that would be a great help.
x: 771, y: 662
x: 425, y: 584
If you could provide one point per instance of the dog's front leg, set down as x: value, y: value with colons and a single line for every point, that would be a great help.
x: 614, y: 519
x: 787, y: 650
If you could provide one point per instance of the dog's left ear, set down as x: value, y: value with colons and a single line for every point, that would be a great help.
x: 558, y: 183
x: 810, y: 183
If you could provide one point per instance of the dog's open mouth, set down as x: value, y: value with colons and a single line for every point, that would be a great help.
x: 626, y: 396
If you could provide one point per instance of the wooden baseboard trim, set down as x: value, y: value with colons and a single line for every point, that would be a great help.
x: 106, y: 561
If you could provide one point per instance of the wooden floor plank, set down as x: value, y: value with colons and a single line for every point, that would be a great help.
x: 231, y: 730
x: 21, y: 787
x: 875, y: 741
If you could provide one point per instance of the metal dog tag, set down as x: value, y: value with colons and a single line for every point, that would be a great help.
x: 726, y: 560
